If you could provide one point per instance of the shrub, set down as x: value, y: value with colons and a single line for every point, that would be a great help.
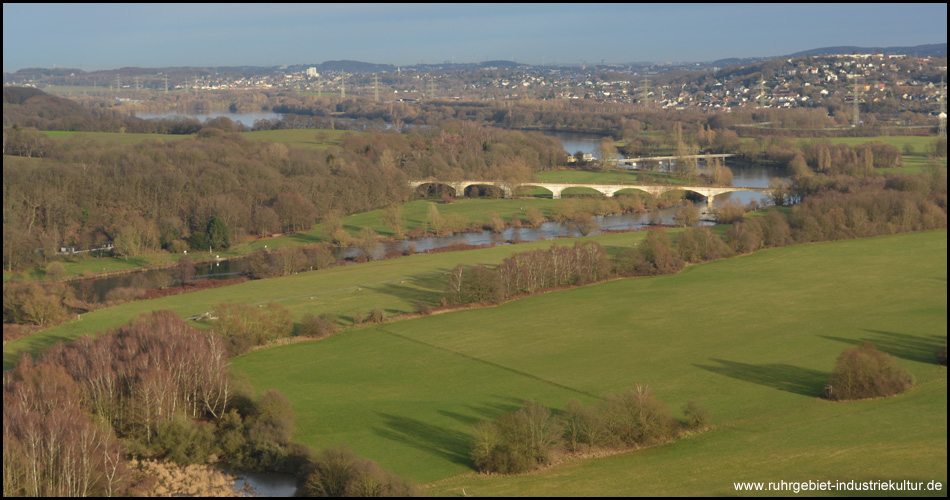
x: 517, y: 442
x: 730, y: 212
x: 377, y: 315
x: 316, y: 327
x: 32, y: 303
x: 697, y: 415
x: 124, y: 294
x: 581, y: 426
x: 744, y: 237
x: 423, y: 307
x: 699, y: 244
x: 475, y: 285
x: 244, y: 326
x: 185, y: 442
x: 338, y: 472
x: 636, y: 418
x: 864, y: 372
x: 654, y: 256
x: 55, y: 271
x: 267, y: 445
x: 535, y: 217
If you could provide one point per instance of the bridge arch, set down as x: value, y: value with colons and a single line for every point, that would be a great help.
x: 632, y: 191
x: 582, y: 191
x: 525, y: 187
x: 435, y: 188
x: 487, y: 189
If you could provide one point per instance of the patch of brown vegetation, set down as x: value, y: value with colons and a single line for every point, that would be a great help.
x: 153, y: 478
x: 457, y: 247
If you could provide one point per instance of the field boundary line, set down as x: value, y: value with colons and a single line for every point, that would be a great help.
x: 490, y: 363
x: 347, y: 288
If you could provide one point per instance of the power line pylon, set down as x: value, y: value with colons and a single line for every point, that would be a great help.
x: 645, y: 93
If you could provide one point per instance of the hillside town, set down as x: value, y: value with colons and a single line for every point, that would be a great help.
x: 885, y: 82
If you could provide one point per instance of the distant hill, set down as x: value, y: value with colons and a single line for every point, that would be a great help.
x: 742, y: 61
x: 29, y: 107
x: 931, y: 50
x: 56, y: 107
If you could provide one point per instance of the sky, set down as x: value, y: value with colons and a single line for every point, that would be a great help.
x: 109, y: 36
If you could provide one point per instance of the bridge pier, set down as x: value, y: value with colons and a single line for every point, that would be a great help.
x: 606, y: 189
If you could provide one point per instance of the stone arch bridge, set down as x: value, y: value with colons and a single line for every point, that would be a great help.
x: 556, y: 188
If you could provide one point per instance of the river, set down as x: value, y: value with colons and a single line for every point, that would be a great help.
x: 265, y: 484
x: 246, y: 119
x: 745, y: 176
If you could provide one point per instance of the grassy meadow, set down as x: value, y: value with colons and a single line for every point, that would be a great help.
x: 393, y: 285
x: 299, y: 138
x: 753, y: 337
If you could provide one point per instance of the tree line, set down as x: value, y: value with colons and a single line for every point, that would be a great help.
x: 220, y: 188
x: 155, y: 388
x: 532, y: 436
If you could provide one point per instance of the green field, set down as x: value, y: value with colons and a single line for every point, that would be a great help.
x: 753, y: 337
x: 113, y: 137
x: 307, y: 138
x: 393, y: 285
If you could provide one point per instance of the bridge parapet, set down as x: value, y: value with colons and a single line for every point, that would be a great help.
x: 606, y: 189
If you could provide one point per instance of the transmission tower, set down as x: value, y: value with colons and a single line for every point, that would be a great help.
x: 855, y: 113
x: 762, y: 94
x: 166, y: 84
x: 376, y: 87
x: 431, y: 88
x: 343, y: 87
x: 942, y: 117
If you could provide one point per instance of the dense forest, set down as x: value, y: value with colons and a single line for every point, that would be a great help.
x: 221, y: 187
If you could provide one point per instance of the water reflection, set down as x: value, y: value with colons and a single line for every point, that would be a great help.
x: 266, y: 484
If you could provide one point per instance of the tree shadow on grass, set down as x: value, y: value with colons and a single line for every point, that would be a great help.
x: 446, y: 443
x: 777, y: 375
x: 910, y: 347
x: 427, y: 288
x: 487, y: 411
x: 306, y: 238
